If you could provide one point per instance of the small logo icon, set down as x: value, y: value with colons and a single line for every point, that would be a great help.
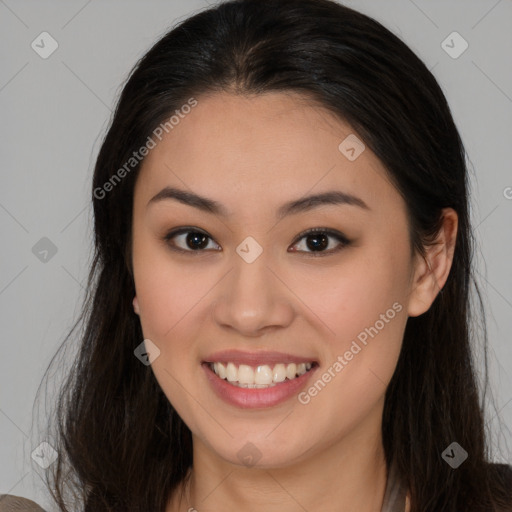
x: 507, y: 192
x: 45, y: 455
x: 249, y: 249
x: 147, y: 352
x: 44, y: 250
x: 351, y: 147
x: 44, y: 45
x: 455, y: 455
x: 454, y: 45
x: 249, y: 455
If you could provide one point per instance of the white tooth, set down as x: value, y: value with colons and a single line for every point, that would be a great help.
x: 279, y: 373
x: 231, y: 372
x: 245, y: 374
x: 263, y: 375
x: 291, y: 370
x: 220, y: 370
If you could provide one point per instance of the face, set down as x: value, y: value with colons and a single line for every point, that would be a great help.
x: 239, y: 279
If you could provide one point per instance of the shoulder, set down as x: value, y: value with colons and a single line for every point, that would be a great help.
x: 11, y: 503
x: 501, y: 476
x: 502, y: 471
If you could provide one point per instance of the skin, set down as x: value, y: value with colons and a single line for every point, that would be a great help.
x: 239, y: 151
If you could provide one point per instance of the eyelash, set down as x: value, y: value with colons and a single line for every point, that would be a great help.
x: 344, y: 241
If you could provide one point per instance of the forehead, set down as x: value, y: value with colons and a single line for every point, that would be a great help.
x: 267, y: 147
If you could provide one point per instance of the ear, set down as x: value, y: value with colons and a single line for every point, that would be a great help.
x: 431, y: 272
x: 136, y: 305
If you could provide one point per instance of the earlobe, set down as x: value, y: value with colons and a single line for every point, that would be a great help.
x: 136, y: 305
x: 433, y: 270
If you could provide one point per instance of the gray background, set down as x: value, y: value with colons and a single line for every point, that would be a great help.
x: 55, y: 110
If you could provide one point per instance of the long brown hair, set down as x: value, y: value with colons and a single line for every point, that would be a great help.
x: 122, y: 446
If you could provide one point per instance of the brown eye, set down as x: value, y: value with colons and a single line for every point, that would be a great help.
x: 188, y: 240
x: 318, y: 239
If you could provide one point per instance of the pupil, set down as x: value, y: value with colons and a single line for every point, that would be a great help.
x: 318, y: 245
x: 192, y: 237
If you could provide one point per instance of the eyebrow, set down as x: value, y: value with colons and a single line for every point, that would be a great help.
x: 300, y: 205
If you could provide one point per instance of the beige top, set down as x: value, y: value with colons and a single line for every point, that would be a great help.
x: 394, y: 497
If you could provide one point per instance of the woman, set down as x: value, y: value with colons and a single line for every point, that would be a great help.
x: 279, y: 304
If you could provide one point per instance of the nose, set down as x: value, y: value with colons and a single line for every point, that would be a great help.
x: 253, y: 299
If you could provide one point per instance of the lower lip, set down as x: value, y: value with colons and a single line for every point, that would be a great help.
x: 256, y: 398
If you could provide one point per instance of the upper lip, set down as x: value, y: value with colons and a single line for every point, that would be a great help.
x: 239, y: 357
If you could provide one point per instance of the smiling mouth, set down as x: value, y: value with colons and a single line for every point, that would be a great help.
x: 260, y: 376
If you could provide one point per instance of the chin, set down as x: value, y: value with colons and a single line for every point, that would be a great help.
x: 260, y: 453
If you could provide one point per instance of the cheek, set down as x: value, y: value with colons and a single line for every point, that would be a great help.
x: 358, y: 364
x: 166, y: 292
x: 171, y: 311
x: 352, y: 296
x: 363, y: 304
